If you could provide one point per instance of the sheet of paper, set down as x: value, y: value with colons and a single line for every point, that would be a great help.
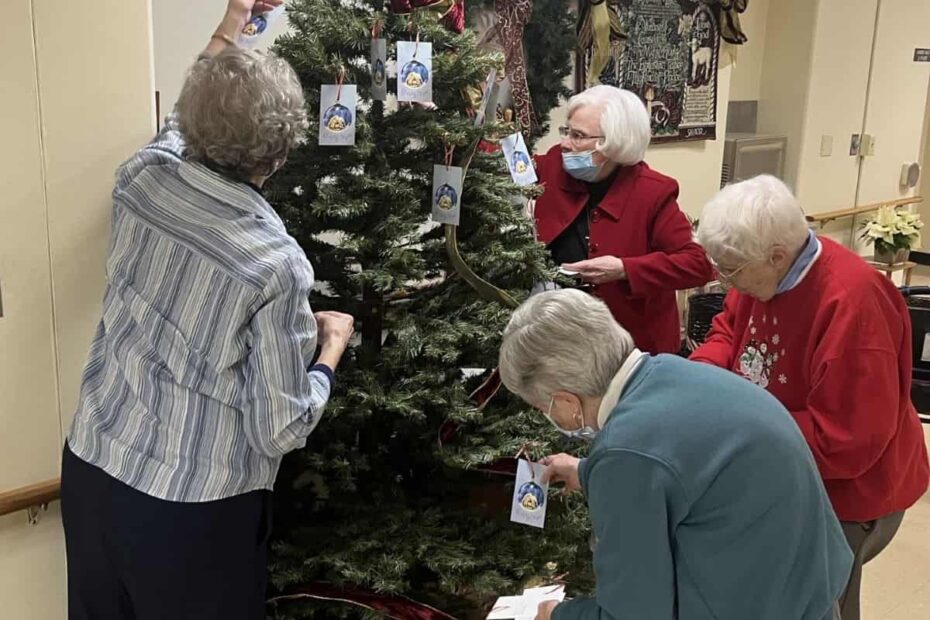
x: 415, y: 71
x: 337, y: 115
x: 530, y: 495
x: 379, y: 61
x: 447, y: 194
x: 518, y: 160
x: 525, y: 605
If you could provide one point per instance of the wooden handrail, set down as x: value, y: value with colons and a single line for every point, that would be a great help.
x: 30, y: 496
x: 829, y: 216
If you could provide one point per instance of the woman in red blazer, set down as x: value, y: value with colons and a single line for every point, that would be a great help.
x: 607, y: 216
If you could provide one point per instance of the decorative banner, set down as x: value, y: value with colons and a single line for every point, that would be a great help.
x: 447, y: 194
x: 414, y: 71
x: 379, y: 69
x: 665, y: 51
x: 512, y: 17
x: 518, y: 160
x: 530, y: 495
x: 337, y: 114
x: 252, y: 32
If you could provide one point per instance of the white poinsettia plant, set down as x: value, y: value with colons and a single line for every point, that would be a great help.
x: 893, y: 229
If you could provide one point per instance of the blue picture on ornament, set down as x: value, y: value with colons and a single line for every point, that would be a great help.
x: 446, y: 197
x: 378, y: 72
x: 256, y: 26
x: 414, y: 74
x: 520, y: 162
x: 337, y: 118
x: 531, y: 497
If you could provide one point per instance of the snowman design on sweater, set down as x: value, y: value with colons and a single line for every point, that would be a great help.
x: 760, y: 354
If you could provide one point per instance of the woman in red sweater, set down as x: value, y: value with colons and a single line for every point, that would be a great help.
x: 606, y: 215
x: 830, y: 337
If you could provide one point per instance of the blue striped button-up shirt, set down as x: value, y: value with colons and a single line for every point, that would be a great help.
x: 197, y: 383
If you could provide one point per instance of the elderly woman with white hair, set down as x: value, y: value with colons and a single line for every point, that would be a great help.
x: 704, y: 498
x: 829, y: 337
x: 607, y: 216
x: 202, y: 374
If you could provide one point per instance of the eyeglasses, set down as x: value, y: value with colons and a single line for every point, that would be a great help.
x: 574, y: 136
x: 725, y: 276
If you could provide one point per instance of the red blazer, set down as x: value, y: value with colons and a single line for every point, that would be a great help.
x: 638, y: 221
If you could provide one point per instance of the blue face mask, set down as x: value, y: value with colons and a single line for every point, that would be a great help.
x: 586, y: 433
x: 581, y: 165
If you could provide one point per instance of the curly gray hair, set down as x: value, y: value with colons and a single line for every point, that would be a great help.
x: 242, y: 111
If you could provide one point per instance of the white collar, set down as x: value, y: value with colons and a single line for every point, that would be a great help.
x: 615, y: 389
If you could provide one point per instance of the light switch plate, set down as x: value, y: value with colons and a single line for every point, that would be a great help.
x: 826, y: 146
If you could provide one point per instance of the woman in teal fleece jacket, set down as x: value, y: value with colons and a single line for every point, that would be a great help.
x: 704, y: 497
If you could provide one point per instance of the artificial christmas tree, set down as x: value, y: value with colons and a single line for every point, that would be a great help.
x: 389, y: 497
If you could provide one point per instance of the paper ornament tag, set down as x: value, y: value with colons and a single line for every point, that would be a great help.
x: 518, y: 160
x: 379, y: 61
x: 252, y: 32
x: 530, y: 496
x: 337, y: 114
x: 487, y: 105
x: 414, y: 71
x: 447, y: 194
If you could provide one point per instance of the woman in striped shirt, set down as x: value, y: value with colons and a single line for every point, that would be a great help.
x: 201, y: 375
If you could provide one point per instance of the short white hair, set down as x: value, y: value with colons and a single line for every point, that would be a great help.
x: 563, y: 340
x: 745, y: 220
x: 624, y: 122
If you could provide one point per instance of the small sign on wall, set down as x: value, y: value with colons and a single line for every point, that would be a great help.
x: 922, y: 54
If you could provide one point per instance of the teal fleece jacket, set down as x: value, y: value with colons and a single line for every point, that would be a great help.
x: 706, y: 504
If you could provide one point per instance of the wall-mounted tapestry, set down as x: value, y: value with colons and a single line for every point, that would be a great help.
x: 665, y: 51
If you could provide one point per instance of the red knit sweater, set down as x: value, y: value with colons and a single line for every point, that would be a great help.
x: 836, y: 351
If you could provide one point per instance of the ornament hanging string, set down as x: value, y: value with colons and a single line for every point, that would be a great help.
x: 523, y: 452
x: 450, y: 151
x: 376, y: 29
x: 416, y: 48
x: 339, y: 81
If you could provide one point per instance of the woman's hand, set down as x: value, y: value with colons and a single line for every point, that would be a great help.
x: 598, y: 270
x: 544, y: 611
x: 335, y: 331
x: 562, y: 468
x: 244, y: 9
x: 238, y: 14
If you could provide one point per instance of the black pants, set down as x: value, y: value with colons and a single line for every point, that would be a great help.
x: 134, y: 557
x: 867, y: 540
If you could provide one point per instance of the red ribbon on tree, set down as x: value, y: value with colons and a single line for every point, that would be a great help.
x: 395, y: 607
x: 454, y: 18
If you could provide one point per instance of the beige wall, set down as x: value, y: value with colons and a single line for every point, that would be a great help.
x: 77, y: 90
x: 786, y: 71
x: 836, y: 98
x: 180, y: 32
x: 746, y: 81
